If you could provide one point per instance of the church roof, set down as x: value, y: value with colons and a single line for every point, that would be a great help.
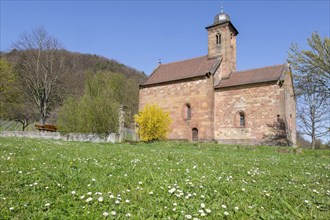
x: 180, y: 70
x: 264, y: 74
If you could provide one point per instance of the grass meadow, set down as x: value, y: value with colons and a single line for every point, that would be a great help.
x: 45, y: 179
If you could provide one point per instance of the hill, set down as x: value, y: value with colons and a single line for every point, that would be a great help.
x: 79, y: 63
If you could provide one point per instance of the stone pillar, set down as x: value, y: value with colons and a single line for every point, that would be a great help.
x: 121, y: 124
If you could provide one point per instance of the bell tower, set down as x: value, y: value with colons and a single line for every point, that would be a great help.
x: 222, y: 43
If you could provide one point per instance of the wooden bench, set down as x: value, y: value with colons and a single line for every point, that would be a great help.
x: 51, y: 128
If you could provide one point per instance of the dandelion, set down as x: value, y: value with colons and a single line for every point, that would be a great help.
x: 226, y: 213
x: 172, y: 190
x: 89, y: 193
x: 236, y: 208
x: 100, y: 199
x: 113, y: 213
x: 89, y: 199
x: 224, y: 206
x: 314, y: 190
x: 127, y: 201
x: 11, y: 208
x: 93, y: 180
x: 151, y: 193
x: 175, y: 204
x: 306, y: 201
x: 208, y: 210
x: 82, y: 197
x: 73, y: 192
x: 140, y: 183
x: 105, y: 214
x: 117, y: 202
x: 128, y: 215
x: 20, y: 172
x: 203, y: 214
x: 188, y: 216
x: 243, y: 189
x: 202, y: 205
x: 112, y: 196
x: 47, y: 204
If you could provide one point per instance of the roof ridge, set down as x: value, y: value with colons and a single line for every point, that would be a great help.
x: 185, y: 60
x: 261, y: 68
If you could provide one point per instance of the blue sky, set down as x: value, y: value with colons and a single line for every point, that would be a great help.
x: 138, y: 33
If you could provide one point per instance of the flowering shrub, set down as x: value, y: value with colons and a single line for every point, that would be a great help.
x: 153, y: 123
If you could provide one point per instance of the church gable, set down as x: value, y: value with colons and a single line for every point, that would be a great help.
x: 181, y: 70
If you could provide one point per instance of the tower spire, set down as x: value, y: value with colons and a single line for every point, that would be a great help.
x: 221, y: 10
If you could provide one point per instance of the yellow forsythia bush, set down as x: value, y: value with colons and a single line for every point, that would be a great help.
x: 153, y: 123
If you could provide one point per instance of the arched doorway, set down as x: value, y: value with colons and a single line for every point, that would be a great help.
x: 194, y: 134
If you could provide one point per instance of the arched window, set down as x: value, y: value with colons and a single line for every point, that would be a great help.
x: 188, y: 112
x: 218, y: 39
x: 194, y: 134
x: 241, y: 119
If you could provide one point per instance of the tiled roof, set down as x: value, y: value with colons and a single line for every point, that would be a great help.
x: 185, y: 69
x: 264, y: 74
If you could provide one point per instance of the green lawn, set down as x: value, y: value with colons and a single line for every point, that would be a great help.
x: 43, y: 179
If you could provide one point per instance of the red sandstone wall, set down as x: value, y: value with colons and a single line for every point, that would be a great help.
x: 174, y: 97
x: 261, y: 105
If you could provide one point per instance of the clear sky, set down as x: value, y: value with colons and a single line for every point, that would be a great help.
x: 138, y: 33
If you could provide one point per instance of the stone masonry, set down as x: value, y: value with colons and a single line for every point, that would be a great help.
x: 208, y: 100
x: 174, y: 97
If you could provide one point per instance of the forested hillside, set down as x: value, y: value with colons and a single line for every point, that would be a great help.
x: 79, y: 64
x: 24, y: 83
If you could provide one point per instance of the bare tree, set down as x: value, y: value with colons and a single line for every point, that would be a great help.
x: 313, y: 115
x: 312, y: 86
x: 40, y: 66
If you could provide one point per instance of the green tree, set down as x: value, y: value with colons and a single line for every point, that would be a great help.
x: 97, y: 110
x: 8, y: 82
x: 153, y: 123
x: 311, y: 70
x: 13, y: 104
x: 312, y: 66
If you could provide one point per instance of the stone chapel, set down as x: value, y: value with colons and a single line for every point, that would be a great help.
x: 209, y: 100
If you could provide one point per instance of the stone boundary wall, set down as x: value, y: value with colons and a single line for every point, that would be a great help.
x: 113, y: 137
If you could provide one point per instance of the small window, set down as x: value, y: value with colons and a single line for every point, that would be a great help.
x: 218, y: 39
x: 188, y: 109
x: 241, y: 119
